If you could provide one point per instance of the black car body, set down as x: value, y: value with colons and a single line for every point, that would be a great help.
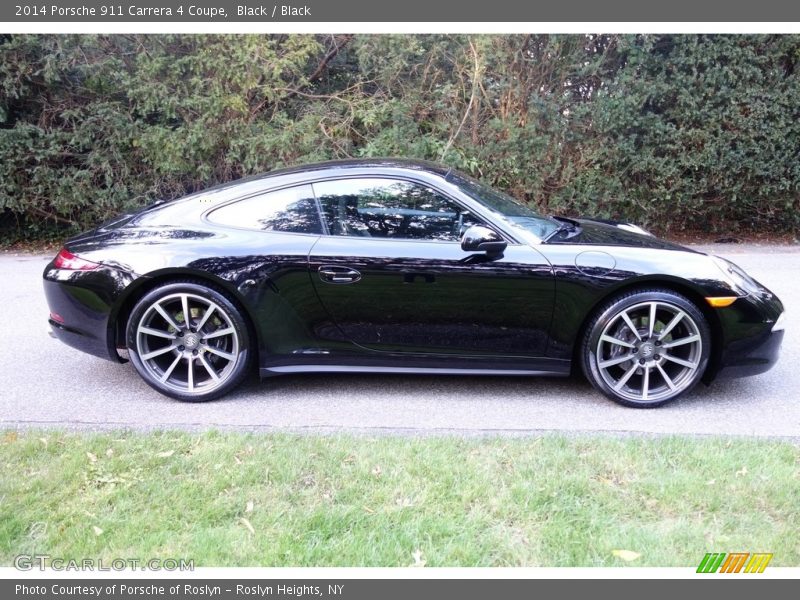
x: 401, y: 266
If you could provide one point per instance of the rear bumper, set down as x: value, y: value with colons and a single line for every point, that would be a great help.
x: 81, y: 304
x: 85, y: 341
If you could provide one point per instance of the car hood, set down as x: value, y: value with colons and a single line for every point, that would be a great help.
x: 610, y: 233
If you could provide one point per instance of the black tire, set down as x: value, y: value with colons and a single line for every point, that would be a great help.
x: 640, y: 366
x: 201, y: 362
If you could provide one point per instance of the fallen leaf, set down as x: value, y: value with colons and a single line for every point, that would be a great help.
x: 165, y: 454
x: 110, y: 452
x: 419, y: 560
x: 249, y: 507
x: 626, y: 555
x: 37, y: 529
x: 44, y: 441
x: 711, y: 482
x: 249, y: 525
x: 237, y: 460
x: 404, y: 502
x: 376, y: 470
x: 368, y: 510
x: 97, y: 530
x: 741, y: 472
x: 91, y: 457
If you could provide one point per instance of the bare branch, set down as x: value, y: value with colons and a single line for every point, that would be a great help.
x: 475, y: 81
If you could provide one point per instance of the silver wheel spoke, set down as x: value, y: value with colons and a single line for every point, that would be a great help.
x: 631, y: 326
x: 185, y: 306
x: 680, y: 361
x: 202, y: 322
x: 666, y: 377
x: 218, y: 352
x: 675, y: 320
x: 614, y: 361
x: 682, y: 341
x: 171, y: 368
x: 170, y: 321
x: 190, y: 374
x: 158, y: 352
x: 209, y: 368
x: 613, y: 340
x: 652, y: 323
x: 628, y: 374
x: 156, y: 332
x: 219, y: 332
x: 646, y: 383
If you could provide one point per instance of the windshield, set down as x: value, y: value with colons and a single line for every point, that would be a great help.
x: 506, y: 207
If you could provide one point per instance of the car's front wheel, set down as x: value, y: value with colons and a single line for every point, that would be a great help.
x: 188, y: 341
x: 645, y: 348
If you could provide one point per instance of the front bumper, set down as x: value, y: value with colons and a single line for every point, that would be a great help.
x: 752, y: 357
x: 754, y: 328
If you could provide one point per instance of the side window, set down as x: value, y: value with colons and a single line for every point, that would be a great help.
x: 291, y: 210
x: 390, y: 208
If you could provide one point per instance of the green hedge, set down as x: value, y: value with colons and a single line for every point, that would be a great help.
x: 673, y: 132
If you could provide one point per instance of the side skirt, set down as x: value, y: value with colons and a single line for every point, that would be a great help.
x: 289, y: 369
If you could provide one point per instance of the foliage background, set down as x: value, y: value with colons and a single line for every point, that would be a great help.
x: 673, y: 132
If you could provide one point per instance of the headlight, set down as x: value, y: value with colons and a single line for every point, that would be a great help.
x: 780, y: 324
x: 735, y: 275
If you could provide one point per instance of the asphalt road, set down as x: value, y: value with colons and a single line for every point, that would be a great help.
x: 47, y: 384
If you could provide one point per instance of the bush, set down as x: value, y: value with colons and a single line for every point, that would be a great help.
x: 673, y: 132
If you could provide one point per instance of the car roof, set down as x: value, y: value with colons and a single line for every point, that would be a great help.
x: 359, y: 163
x: 329, y: 165
x: 230, y: 189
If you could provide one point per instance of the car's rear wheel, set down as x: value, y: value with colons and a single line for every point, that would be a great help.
x: 645, y: 348
x: 188, y: 341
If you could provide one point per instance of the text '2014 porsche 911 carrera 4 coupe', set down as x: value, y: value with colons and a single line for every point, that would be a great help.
x: 398, y: 266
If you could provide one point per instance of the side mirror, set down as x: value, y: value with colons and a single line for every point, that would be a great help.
x: 482, y: 239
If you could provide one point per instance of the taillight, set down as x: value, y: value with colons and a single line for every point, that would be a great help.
x: 67, y: 260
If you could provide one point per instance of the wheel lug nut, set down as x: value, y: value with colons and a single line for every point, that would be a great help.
x: 641, y: 361
x: 194, y: 352
x: 181, y: 348
x: 657, y: 357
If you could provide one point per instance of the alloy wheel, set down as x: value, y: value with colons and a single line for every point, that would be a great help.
x: 188, y: 343
x: 649, y: 352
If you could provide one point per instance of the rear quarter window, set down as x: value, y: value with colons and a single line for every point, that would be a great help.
x: 292, y: 210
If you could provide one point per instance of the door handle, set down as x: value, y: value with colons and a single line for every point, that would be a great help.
x: 412, y: 277
x: 334, y: 274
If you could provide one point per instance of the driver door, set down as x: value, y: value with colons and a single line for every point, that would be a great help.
x: 393, y: 277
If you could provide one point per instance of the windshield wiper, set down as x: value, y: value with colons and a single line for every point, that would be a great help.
x: 567, y: 228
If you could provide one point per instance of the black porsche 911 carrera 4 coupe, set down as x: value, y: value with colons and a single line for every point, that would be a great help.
x: 399, y: 266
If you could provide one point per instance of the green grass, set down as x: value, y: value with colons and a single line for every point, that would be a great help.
x: 357, y: 501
